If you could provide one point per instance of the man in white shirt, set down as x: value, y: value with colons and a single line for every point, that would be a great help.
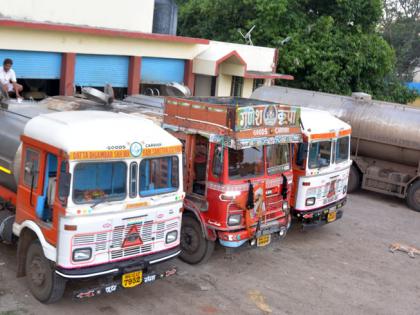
x: 8, y: 79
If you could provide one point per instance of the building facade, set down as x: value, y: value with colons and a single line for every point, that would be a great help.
x: 59, y: 48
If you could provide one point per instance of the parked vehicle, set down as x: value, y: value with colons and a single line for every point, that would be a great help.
x: 385, y: 142
x: 237, y: 166
x: 321, y: 168
x: 86, y: 195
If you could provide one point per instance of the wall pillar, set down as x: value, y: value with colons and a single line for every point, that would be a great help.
x: 68, y: 62
x: 189, y: 76
x: 134, y: 75
x: 223, y: 85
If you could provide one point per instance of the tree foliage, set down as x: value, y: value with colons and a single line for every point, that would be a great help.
x: 334, y: 45
x: 401, y: 29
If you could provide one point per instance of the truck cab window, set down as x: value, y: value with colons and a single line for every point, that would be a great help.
x: 246, y: 163
x: 99, y: 181
x: 217, y: 161
x: 301, y: 154
x: 342, y: 149
x: 159, y: 176
x: 45, y: 202
x: 30, y: 177
x: 319, y: 154
x: 200, y: 164
x: 277, y: 158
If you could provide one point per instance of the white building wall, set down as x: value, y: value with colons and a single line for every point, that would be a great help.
x: 23, y: 39
x: 247, y: 88
x: 223, y: 85
x: 132, y: 15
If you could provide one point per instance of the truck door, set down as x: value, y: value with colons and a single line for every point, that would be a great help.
x: 201, y: 151
x: 37, y: 191
x: 29, y: 183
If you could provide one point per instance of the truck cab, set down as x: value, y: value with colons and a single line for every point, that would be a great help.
x: 99, y: 195
x: 237, y: 170
x: 321, y: 165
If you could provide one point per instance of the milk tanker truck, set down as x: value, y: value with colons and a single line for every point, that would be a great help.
x: 385, y: 142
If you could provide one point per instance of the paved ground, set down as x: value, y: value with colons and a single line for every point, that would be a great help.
x: 341, y: 268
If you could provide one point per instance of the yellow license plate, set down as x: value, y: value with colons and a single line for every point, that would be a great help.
x: 263, y: 240
x: 332, y: 216
x: 132, y: 279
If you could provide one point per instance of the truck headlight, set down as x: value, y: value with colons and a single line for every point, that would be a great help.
x: 82, y: 254
x: 234, y: 219
x: 310, y: 201
x: 171, y: 237
x: 285, y: 206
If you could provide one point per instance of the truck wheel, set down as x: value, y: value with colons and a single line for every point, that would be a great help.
x: 195, y: 247
x: 413, y: 196
x: 354, y: 180
x: 45, y: 285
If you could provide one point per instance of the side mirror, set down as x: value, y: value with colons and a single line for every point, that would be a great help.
x: 64, y: 187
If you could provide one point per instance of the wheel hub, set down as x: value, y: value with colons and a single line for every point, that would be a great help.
x: 189, y: 239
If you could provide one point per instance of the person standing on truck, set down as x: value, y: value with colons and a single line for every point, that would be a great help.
x: 8, y: 79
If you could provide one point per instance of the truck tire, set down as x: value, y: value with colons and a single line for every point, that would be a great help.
x: 413, y: 196
x: 45, y: 285
x: 354, y: 180
x: 195, y: 247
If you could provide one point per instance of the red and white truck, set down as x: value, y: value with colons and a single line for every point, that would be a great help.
x: 86, y: 195
x: 321, y: 166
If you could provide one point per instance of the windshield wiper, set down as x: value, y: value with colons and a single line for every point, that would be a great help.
x: 98, y: 201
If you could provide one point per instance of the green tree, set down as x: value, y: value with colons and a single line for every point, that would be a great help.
x: 401, y: 29
x: 334, y: 45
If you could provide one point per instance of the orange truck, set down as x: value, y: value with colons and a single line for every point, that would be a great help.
x: 88, y: 195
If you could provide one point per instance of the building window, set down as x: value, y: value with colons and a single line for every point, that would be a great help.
x: 257, y: 84
x: 213, y: 86
x: 237, y: 86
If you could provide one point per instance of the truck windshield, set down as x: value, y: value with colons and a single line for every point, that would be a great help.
x: 246, y: 163
x: 99, y: 181
x: 342, y: 150
x: 319, y: 154
x: 277, y: 158
x: 159, y: 176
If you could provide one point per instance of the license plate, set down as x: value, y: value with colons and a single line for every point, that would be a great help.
x: 132, y: 279
x: 263, y: 240
x: 332, y: 216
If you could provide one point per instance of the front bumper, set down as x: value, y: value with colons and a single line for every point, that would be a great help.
x: 318, y: 217
x: 112, y: 285
x: 119, y: 267
x: 239, y: 237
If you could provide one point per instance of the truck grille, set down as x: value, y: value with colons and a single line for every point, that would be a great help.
x: 112, y: 241
x: 99, y: 239
x: 120, y: 233
x: 273, y: 204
